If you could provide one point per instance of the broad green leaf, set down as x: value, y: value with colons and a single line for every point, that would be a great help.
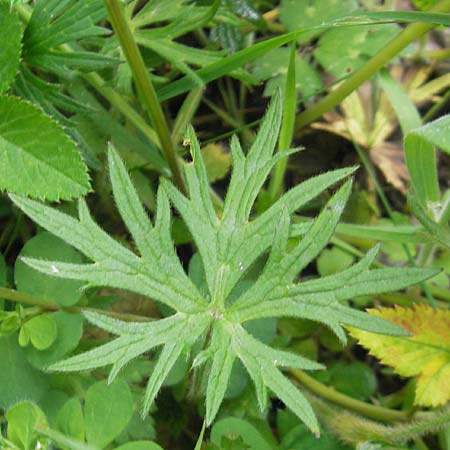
x: 235, y: 428
x: 11, y: 37
x: 406, y: 112
x: 295, y: 15
x: 107, y: 411
x: 341, y: 51
x: 70, y: 419
x: 69, y: 330
x: 36, y: 147
x: 421, y: 159
x: 22, y: 419
x: 41, y: 330
x: 274, y: 67
x: 217, y: 162
x: 355, y: 379
x: 19, y: 380
x: 299, y: 437
x: 333, y: 260
x: 46, y: 246
x: 425, y: 354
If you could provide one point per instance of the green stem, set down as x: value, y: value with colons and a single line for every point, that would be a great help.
x: 145, y: 87
x: 434, y: 110
x: 115, y: 99
x: 393, y: 48
x: 48, y: 305
x: 365, y: 409
x: 276, y: 185
x: 186, y: 113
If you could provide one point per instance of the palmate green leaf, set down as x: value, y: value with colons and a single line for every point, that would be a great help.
x: 228, y: 246
x: 36, y: 157
x: 57, y: 22
x: 185, y: 17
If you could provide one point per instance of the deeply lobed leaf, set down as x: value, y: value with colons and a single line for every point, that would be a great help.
x: 228, y: 245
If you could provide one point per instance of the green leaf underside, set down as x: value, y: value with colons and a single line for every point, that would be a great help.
x: 228, y: 246
x: 36, y: 156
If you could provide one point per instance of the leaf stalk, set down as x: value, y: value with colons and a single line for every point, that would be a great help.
x: 145, y: 87
x: 365, y: 409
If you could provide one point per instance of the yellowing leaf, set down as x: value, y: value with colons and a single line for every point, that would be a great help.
x: 425, y: 354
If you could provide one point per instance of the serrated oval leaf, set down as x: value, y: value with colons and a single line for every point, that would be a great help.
x: 425, y: 354
x: 36, y: 157
x: 11, y: 38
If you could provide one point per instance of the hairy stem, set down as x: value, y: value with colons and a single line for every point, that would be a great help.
x: 145, y: 87
x: 276, y: 185
x: 393, y: 48
x: 354, y: 429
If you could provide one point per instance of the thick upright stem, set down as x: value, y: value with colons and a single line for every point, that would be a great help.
x: 408, y: 35
x: 144, y: 86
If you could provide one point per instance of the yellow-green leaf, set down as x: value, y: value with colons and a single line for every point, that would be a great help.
x: 217, y: 161
x: 425, y: 354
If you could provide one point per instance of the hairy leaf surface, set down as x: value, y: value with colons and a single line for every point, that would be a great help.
x: 228, y: 245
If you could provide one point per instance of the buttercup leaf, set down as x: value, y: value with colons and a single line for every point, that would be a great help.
x: 228, y: 245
